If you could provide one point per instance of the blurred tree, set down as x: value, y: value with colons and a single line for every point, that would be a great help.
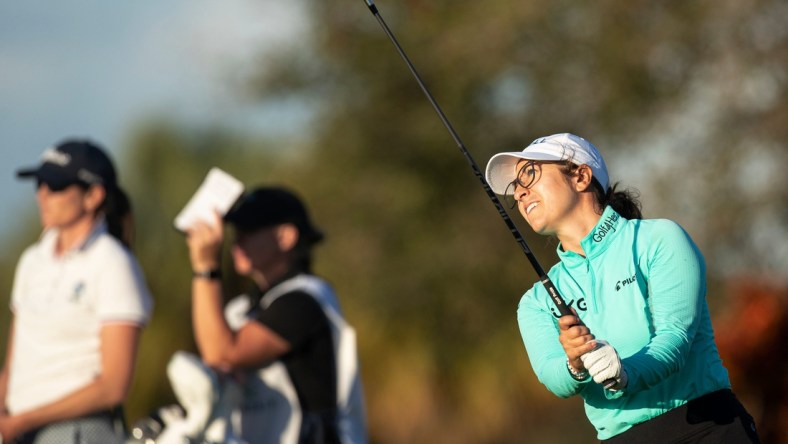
x: 657, y: 86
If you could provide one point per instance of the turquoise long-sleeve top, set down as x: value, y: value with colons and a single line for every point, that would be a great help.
x: 641, y: 286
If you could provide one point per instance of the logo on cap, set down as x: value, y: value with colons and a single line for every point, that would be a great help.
x: 52, y: 155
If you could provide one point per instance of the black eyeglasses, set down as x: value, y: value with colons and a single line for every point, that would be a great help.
x: 526, y: 177
x: 528, y: 174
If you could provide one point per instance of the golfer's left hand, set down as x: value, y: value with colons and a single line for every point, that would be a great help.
x: 604, y: 366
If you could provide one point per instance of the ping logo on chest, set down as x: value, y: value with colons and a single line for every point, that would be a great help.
x: 624, y: 282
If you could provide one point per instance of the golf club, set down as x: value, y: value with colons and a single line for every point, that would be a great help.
x: 558, y: 301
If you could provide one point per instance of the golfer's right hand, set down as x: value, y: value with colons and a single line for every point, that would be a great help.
x: 576, y: 339
x: 204, y: 240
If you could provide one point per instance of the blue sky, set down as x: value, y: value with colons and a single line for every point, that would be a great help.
x: 94, y: 68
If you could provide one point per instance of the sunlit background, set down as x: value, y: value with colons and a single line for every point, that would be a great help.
x: 97, y: 69
x: 688, y: 101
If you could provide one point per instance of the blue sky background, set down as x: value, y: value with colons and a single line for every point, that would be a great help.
x: 95, y: 68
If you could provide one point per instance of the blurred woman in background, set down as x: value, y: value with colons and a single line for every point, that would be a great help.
x: 79, y: 303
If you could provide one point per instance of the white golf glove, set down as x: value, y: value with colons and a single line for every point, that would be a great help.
x: 604, y: 366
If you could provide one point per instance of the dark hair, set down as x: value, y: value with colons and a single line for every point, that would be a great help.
x: 308, y: 238
x: 625, y: 201
x: 303, y: 260
x: 116, y: 209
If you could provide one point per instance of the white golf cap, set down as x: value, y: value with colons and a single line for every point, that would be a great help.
x: 502, y: 167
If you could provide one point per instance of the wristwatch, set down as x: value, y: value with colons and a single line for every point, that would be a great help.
x: 577, y: 376
x: 213, y: 273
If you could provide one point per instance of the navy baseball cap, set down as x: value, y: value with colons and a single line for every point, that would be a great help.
x: 70, y: 162
x: 268, y: 206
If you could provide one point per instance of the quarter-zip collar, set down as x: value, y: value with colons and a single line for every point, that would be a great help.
x: 597, y: 240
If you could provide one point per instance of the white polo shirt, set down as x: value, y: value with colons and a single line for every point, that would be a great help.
x: 60, y: 304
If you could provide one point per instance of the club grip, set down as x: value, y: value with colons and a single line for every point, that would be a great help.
x: 558, y: 301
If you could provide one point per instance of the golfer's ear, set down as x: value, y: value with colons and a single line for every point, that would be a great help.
x: 582, y: 178
x: 287, y: 236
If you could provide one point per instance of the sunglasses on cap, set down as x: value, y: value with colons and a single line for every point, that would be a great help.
x: 58, y: 185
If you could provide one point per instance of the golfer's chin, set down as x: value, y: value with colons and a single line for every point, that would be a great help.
x: 538, y: 228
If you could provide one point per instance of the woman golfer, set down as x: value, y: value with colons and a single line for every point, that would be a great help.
x: 640, y: 348
x: 79, y: 302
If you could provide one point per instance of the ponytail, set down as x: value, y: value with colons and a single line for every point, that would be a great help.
x: 116, y: 209
x: 625, y: 202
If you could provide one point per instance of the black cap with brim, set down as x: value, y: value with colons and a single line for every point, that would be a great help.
x: 70, y: 162
x: 268, y: 206
x: 50, y: 174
